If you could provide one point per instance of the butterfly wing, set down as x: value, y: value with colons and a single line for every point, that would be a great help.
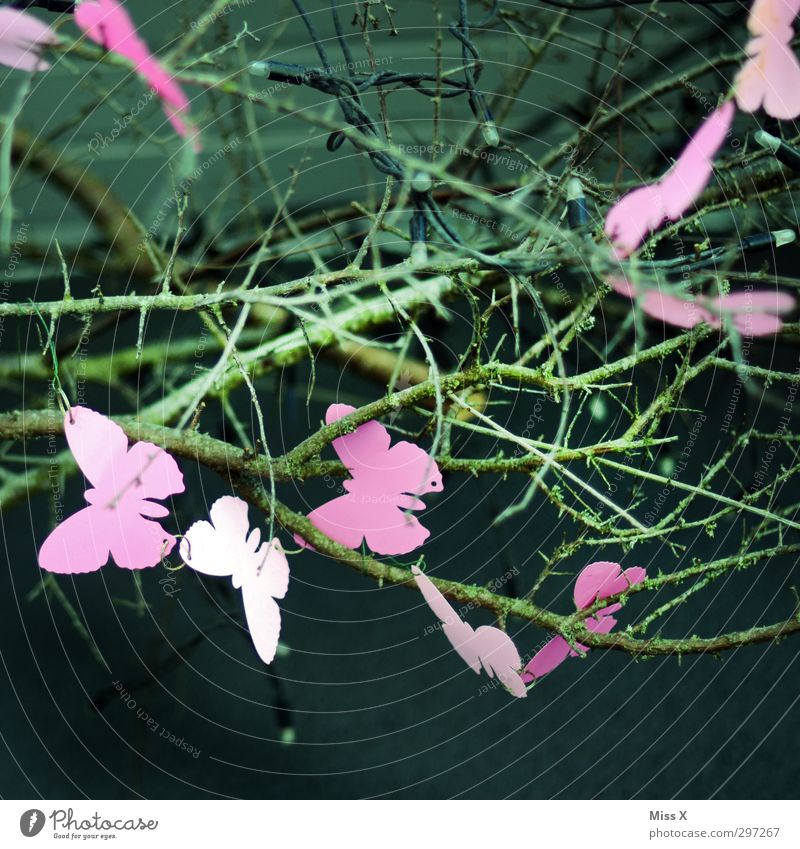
x: 107, y: 23
x: 378, y: 467
x: 225, y: 546
x: 407, y: 468
x: 173, y: 99
x: 619, y: 584
x: 261, y: 585
x: 673, y: 310
x: 750, y: 83
x: 632, y: 217
x: 602, y: 625
x: 551, y: 655
x: 761, y: 300
x: 89, y: 17
x: 218, y: 547
x: 488, y: 646
x: 273, y: 568
x: 100, y: 448
x: 753, y: 313
x: 338, y: 411
x: 390, y: 530
x: 136, y: 542
x: 621, y: 285
x: 374, y: 507
x: 95, y: 441
x: 603, y: 579
x: 360, y: 451
x: 354, y: 517
x: 148, y: 471
x: 263, y: 618
x: 499, y: 657
x: 635, y: 575
x: 594, y: 580
x: 770, y: 79
x: 773, y: 16
x: 687, y: 178
x: 113, y: 524
x: 21, y: 37
x: 458, y: 632
x: 338, y: 519
x: 145, y: 471
x: 557, y: 650
x: 646, y: 208
x: 81, y: 543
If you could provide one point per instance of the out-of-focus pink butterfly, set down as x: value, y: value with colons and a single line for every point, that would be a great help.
x: 384, y: 485
x: 226, y: 546
x: 487, y: 646
x: 595, y: 582
x: 754, y: 313
x: 647, y: 208
x: 21, y: 39
x: 107, y: 23
x: 118, y: 518
x: 771, y: 76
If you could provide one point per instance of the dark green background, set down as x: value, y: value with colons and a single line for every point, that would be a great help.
x: 375, y: 708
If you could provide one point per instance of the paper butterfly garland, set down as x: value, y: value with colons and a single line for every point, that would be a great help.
x: 771, y: 76
x: 385, y: 482
x: 595, y: 582
x: 769, y: 79
x: 108, y: 24
x: 226, y: 546
x: 118, y: 520
x: 486, y: 647
x: 21, y: 40
x: 647, y: 208
x: 755, y: 313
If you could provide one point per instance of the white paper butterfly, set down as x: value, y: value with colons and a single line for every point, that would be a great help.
x: 226, y: 546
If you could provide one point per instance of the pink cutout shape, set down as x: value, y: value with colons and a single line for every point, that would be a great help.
x: 226, y: 546
x: 108, y: 24
x: 755, y: 313
x: 595, y: 582
x: 771, y: 76
x: 21, y: 40
x: 487, y: 646
x: 117, y: 520
x: 645, y: 209
x: 385, y: 482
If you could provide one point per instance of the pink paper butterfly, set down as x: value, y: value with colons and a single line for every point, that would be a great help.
x: 118, y: 518
x: 754, y: 313
x: 595, y: 582
x: 771, y: 76
x: 647, y: 208
x: 226, y: 546
x: 487, y: 646
x: 21, y: 39
x: 107, y: 23
x: 385, y: 483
